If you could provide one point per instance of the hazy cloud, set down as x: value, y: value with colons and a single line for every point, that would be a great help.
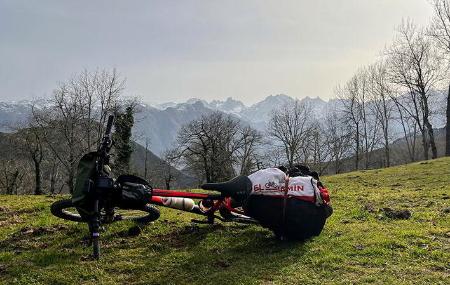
x: 172, y: 50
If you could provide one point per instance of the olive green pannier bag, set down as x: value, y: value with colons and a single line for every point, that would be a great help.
x: 84, y: 183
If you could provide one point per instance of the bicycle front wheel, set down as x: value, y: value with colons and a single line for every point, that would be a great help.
x: 152, y: 214
x: 65, y: 209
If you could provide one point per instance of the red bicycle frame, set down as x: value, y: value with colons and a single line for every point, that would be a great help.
x: 218, y: 200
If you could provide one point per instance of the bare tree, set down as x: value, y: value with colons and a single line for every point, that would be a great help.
x: 415, y: 65
x: 289, y: 127
x: 440, y: 31
x: 354, y: 97
x: 319, y: 152
x: 351, y: 114
x: 369, y: 119
x: 272, y: 156
x: 440, y: 25
x: 73, y: 123
x: 247, y: 155
x: 338, y: 138
x: 54, y: 177
x: 409, y: 128
x: 382, y: 106
x: 33, y: 148
x: 212, y: 146
x: 169, y: 160
x: 11, y: 176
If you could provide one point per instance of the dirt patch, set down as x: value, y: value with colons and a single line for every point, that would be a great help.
x: 396, y: 214
x: 131, y: 232
x: 40, y: 230
x: 8, y: 221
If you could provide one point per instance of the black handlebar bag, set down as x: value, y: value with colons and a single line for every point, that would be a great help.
x: 133, y: 192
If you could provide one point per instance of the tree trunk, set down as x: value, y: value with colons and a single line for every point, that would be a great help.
x: 71, y: 180
x: 447, y: 126
x: 37, y: 172
x: 168, y: 183
x: 387, y: 155
x: 424, y: 144
x: 336, y: 166
x: 386, y: 147
x: 357, y: 148
x: 432, y: 142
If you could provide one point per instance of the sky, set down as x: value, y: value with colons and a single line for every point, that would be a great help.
x: 174, y: 50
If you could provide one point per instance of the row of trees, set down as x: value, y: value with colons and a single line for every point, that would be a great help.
x: 59, y: 132
x: 400, y: 88
x: 217, y: 146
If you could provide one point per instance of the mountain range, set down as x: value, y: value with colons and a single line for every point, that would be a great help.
x: 159, y: 123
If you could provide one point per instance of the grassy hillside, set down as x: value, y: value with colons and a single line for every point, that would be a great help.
x: 360, y: 243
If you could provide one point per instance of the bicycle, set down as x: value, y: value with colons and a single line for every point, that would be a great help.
x: 101, y: 196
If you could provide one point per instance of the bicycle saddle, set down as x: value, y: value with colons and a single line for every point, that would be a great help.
x: 237, y: 188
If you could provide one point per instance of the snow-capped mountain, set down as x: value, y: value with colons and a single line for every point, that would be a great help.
x: 260, y: 112
x: 160, y: 123
x: 12, y: 113
x: 229, y: 106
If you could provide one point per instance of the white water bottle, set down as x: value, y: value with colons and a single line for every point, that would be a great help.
x: 185, y: 204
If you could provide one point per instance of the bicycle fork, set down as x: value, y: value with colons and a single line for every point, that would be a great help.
x: 94, y: 229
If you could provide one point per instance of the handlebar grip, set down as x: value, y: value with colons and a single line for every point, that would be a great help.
x: 109, y: 125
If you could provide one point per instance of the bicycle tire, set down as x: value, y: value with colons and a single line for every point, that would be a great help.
x: 152, y: 215
x: 58, y: 209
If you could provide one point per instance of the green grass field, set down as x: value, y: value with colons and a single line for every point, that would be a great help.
x: 359, y: 245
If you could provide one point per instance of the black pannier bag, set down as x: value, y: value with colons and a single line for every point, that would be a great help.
x: 301, y: 219
x: 292, y: 207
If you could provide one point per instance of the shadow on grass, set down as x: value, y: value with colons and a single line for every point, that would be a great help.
x: 228, y: 254
x: 43, y: 246
x: 190, y: 253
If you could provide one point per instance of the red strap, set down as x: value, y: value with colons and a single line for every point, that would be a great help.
x: 285, y: 196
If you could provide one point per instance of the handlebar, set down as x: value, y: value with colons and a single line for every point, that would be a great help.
x: 109, y: 125
x: 105, y: 144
